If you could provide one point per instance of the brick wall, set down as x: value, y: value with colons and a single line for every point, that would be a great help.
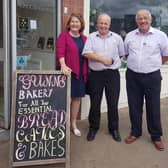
x: 68, y: 7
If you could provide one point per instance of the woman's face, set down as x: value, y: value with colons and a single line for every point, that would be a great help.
x: 75, y: 24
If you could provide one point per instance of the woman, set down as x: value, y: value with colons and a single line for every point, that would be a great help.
x: 69, y: 48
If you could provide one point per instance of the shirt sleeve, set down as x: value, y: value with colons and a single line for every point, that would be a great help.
x: 164, y: 45
x: 88, y: 46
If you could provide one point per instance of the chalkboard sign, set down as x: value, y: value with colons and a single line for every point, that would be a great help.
x: 40, y: 118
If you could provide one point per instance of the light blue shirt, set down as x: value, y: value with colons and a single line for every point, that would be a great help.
x: 110, y: 46
x: 145, y: 50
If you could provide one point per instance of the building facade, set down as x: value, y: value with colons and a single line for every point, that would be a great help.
x: 28, y: 31
x: 29, y: 28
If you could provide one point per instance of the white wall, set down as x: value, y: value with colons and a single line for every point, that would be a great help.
x: 123, y: 96
x: 164, y: 89
x: 86, y: 15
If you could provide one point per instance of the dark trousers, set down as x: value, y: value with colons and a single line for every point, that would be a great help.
x: 98, y: 81
x: 148, y: 86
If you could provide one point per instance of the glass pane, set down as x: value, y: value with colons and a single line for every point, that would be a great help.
x: 1, y: 91
x: 1, y: 66
x: 1, y: 24
x: 123, y: 13
x: 36, y: 22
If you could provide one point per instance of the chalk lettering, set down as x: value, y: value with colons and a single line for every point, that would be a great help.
x: 62, y: 136
x: 37, y: 109
x: 34, y: 103
x: 41, y: 117
x: 43, y: 149
x: 42, y: 81
x: 48, y: 119
x: 36, y: 134
x: 34, y: 94
x: 20, y: 151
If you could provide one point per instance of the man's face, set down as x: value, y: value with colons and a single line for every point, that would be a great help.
x: 143, y: 21
x: 103, y: 24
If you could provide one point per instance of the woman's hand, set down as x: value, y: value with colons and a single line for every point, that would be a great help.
x: 65, y: 70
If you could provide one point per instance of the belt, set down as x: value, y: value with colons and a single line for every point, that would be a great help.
x: 139, y: 73
x: 103, y: 70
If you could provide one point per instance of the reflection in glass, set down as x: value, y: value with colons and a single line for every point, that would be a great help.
x: 1, y: 91
x: 36, y: 22
x: 123, y: 13
x: 1, y: 66
x: 1, y: 24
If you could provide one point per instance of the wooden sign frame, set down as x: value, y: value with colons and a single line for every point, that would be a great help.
x: 41, y: 161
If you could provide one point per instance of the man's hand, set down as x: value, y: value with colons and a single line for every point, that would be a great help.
x: 64, y: 68
x: 107, y: 61
x: 95, y: 57
x: 164, y: 59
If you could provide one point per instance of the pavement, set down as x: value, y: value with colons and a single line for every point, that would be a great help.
x: 104, y: 152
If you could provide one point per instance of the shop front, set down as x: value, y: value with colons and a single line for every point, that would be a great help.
x: 27, y: 33
x: 28, y: 30
x: 123, y: 21
x: 4, y: 66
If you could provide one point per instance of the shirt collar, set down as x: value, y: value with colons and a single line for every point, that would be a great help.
x: 108, y: 35
x: 151, y: 31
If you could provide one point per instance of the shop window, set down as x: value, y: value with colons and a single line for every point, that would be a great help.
x: 123, y: 14
x: 1, y: 25
x: 36, y: 31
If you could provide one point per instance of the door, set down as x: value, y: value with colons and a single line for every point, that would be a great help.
x: 4, y: 66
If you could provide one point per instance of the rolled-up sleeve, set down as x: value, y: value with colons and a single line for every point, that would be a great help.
x: 164, y: 45
x: 88, y: 46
